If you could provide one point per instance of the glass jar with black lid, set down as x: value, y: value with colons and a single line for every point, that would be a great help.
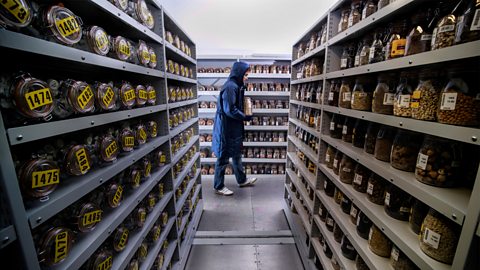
x: 397, y: 203
x: 363, y: 225
x: 360, y: 178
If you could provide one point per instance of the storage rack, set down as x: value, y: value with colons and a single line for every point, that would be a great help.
x: 19, y: 219
x: 218, y: 79
x: 458, y: 204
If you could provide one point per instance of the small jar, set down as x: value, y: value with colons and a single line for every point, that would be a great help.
x: 405, y: 150
x: 329, y: 188
x: 337, y: 196
x: 383, y: 96
x: 444, y: 33
x: 397, y: 203
x: 401, y: 103
x: 358, y: 133
x: 348, y: 251
x: 346, y: 204
x: 400, y: 261
x: 355, y: 14
x: 345, y: 95
x: 336, y: 162
x: 98, y: 40
x: 337, y: 233
x: 347, y: 169
x: 439, y: 237
x: 333, y: 94
x: 383, y: 143
x: 361, y: 98
x: 347, y: 129
x: 360, y: 178
x: 38, y: 178
x: 336, y: 126
x: 343, y: 24
x: 369, y: 8
x: 363, y: 225
x: 379, y: 243
x: 417, y: 215
x: 329, y: 222
x: 354, y: 211
x: 143, y: 53
x: 371, y: 137
x: 376, y: 189
x: 326, y: 248
x: 122, y: 49
x: 322, y: 212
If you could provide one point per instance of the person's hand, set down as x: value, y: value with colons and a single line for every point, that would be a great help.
x: 248, y: 117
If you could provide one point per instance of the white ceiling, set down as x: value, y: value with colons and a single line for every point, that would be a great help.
x: 246, y: 26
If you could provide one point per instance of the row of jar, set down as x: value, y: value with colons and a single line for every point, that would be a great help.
x: 179, y: 69
x: 309, y: 92
x: 454, y: 102
x: 191, y: 209
x: 182, y: 139
x: 306, y: 162
x: 183, y: 187
x: 33, y: 99
x: 399, y: 205
x: 256, y: 104
x: 358, y: 10
x: 265, y: 69
x: 182, y: 164
x: 177, y: 42
x: 251, y: 152
x: 181, y: 115
x: 249, y: 169
x: 309, y: 68
x: 40, y: 171
x: 436, y: 161
x: 256, y: 121
x: 264, y: 86
x: 432, y: 27
x: 76, y: 221
x: 311, y: 117
x: 308, y: 139
x: 177, y: 94
x: 315, y: 40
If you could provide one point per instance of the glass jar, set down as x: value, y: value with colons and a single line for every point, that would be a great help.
x: 347, y: 129
x: 439, y: 237
x: 329, y: 188
x: 420, y: 36
x: 467, y: 28
x: 383, y: 143
x: 354, y: 210
x: 336, y: 162
x: 383, y: 3
x: 358, y: 134
x: 369, y: 8
x: 405, y: 150
x: 400, y: 261
x: 336, y: 126
x: 397, y: 203
x: 395, y: 46
x: 97, y: 39
x: 333, y: 94
x: 417, y: 215
x: 371, y: 137
x: 329, y: 222
x: 444, y: 32
x: 122, y: 49
x: 48, y: 243
x: 348, y: 251
x: 379, y: 243
x: 61, y: 24
x: 338, y: 195
x: 326, y: 248
x: 322, y: 212
x: 20, y: 14
x: 383, y: 95
x: 355, y: 13
x: 153, y: 58
x: 345, y: 95
x: 438, y: 162
x: 360, y: 264
x: 141, y: 12
x: 76, y: 97
x: 38, y: 178
x: 363, y: 225
x: 424, y: 100
x: 364, y: 53
x: 329, y: 155
x: 343, y: 24
x: 403, y: 94
x: 360, y: 178
x: 346, y: 170
x: 459, y: 103
x: 376, y: 53
x: 346, y: 205
x: 337, y: 233
x: 141, y: 95
x: 376, y: 189
x: 361, y: 98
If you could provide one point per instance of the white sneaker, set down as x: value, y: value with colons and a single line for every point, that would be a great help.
x: 249, y: 182
x: 224, y: 191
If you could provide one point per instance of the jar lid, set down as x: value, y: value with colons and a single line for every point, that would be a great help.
x: 146, y: 167
x: 77, y: 160
x: 39, y: 177
x: 16, y: 13
x: 127, y: 95
x: 121, y: 4
x: 140, y: 134
x: 108, y: 148
x: 120, y: 238
x: 144, y: 14
x: 122, y: 47
x: 55, y: 245
x: 98, y: 40
x: 80, y: 96
x: 32, y: 97
x: 141, y: 95
x: 65, y: 26
x: 153, y: 58
x: 101, y: 260
x: 114, y: 195
x: 143, y: 53
x: 152, y: 129
x: 140, y: 216
x: 127, y: 139
x: 135, y: 177
x: 105, y: 96
x: 88, y: 216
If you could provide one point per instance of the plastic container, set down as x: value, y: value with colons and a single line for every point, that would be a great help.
x: 467, y: 28
x: 329, y: 155
x: 336, y: 162
x: 383, y: 95
x: 333, y: 93
x: 383, y: 143
x: 439, y: 237
x: 337, y: 233
x: 336, y: 126
x: 439, y: 162
x: 376, y: 53
x: 397, y: 203
x: 444, y: 33
x: 355, y: 13
x: 343, y: 24
x: 376, y: 189
x: 363, y: 225
x: 345, y: 95
x: 347, y: 129
x: 347, y: 169
x: 371, y: 137
x: 338, y: 195
x: 424, y: 100
x: 359, y: 132
x: 348, y: 251
x: 361, y: 98
x: 403, y: 95
x: 346, y: 205
x: 329, y: 188
x: 379, y: 243
x: 329, y: 222
x: 354, y: 211
x: 417, y: 215
x: 405, y: 150
x: 400, y: 261
x: 360, y: 178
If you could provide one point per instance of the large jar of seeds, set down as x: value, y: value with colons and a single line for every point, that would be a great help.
x: 347, y: 168
x: 329, y: 155
x: 337, y: 233
x: 439, y: 237
x: 333, y: 94
x: 383, y: 143
x: 347, y: 130
x: 348, y: 251
x: 400, y: 261
x: 424, y: 100
x: 405, y: 150
x: 329, y: 188
x: 376, y: 189
x: 354, y: 214
x: 397, y: 203
x: 337, y: 197
x: 383, y: 96
x: 336, y: 126
x: 336, y: 162
x: 358, y: 134
x: 371, y: 137
x: 360, y: 178
x: 346, y: 205
x: 363, y: 225
x: 345, y: 95
x: 459, y: 103
x: 401, y: 103
x: 417, y: 215
x: 361, y: 97
x: 444, y: 33
x: 379, y: 243
x: 438, y: 162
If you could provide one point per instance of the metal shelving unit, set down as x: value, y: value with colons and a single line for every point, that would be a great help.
x: 27, y: 217
x: 458, y: 204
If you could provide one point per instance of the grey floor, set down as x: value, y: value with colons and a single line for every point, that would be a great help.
x: 250, y: 211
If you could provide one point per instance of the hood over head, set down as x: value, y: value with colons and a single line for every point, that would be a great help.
x: 238, y: 70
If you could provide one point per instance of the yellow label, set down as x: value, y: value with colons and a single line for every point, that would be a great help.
x: 82, y: 160
x: 156, y: 234
x: 16, y: 8
x: 163, y: 158
x: 101, y: 40
x: 84, y: 98
x: 416, y: 94
x: 148, y: 169
x: 123, y: 239
x: 152, y: 95
x: 153, y: 58
x: 106, y: 264
x: 137, y: 179
x: 111, y: 149
x: 151, y: 202
x: 108, y: 97
x: 118, y: 196
x: 143, y: 216
x: 146, y: 55
x: 38, y: 98
x: 61, y: 247
x: 92, y: 217
x: 129, y: 141
x: 68, y: 26
x: 154, y: 130
x: 142, y: 134
x: 398, y: 47
x: 150, y: 19
x: 129, y: 95
x: 142, y: 94
x: 45, y: 178
x: 124, y: 48
x: 414, y: 105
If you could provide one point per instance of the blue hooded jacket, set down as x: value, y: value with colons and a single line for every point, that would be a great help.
x: 228, y: 128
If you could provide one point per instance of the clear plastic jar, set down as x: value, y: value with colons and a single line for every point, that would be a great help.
x: 403, y: 94
x: 20, y: 14
x: 376, y: 53
x: 419, y: 38
x: 343, y: 24
x: 383, y: 96
x: 438, y: 162
x: 361, y: 98
x: 369, y: 8
x: 333, y: 94
x: 424, y: 100
x: 346, y: 170
x: 405, y: 150
x: 360, y: 178
x: 417, y: 215
x: 371, y: 137
x: 400, y: 261
x: 439, y: 237
x: 363, y: 225
x: 397, y: 203
x: 61, y: 24
x: 355, y: 13
x: 329, y: 155
x: 383, y: 143
x: 336, y: 126
x: 347, y: 129
x: 329, y: 222
x: 358, y: 134
x: 379, y: 243
x: 97, y: 39
x: 444, y: 33
x: 376, y: 189
x: 345, y: 95
x: 467, y: 28
x: 336, y: 162
x: 338, y: 195
x: 364, y: 53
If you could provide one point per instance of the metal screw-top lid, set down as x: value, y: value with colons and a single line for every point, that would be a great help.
x: 39, y: 177
x: 16, y: 13
x: 55, y: 245
x: 65, y: 26
x: 32, y: 97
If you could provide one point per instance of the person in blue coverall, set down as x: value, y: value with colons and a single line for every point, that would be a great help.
x: 228, y: 129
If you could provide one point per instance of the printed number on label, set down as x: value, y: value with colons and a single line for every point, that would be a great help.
x: 129, y: 95
x: 61, y: 246
x: 84, y: 98
x: 82, y: 160
x: 45, y: 178
x: 111, y: 149
x: 92, y: 218
x: 108, y: 97
x: 68, y: 26
x: 16, y: 9
x: 38, y: 98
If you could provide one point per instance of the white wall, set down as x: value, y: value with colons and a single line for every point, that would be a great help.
x: 246, y: 26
